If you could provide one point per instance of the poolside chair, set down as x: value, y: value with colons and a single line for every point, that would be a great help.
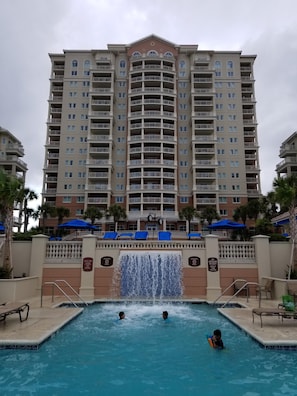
x: 141, y: 235
x: 265, y: 288
x: 125, y: 235
x: 194, y: 235
x: 110, y: 235
x: 164, y: 236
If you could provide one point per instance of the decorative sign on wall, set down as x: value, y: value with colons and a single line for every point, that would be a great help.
x: 106, y: 261
x: 213, y: 264
x: 194, y: 261
x: 87, y: 264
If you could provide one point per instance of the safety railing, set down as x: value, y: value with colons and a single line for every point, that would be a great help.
x: 245, y: 287
x: 55, y: 284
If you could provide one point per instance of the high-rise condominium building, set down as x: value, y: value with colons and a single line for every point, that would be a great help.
x: 154, y: 127
x: 288, y: 153
x: 11, y: 152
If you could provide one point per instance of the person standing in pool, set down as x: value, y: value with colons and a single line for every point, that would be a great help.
x: 121, y: 315
x: 216, y: 339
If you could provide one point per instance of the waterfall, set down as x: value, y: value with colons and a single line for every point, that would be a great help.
x: 150, y: 274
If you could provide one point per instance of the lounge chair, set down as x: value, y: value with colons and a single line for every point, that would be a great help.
x: 141, y: 235
x: 164, y: 236
x: 194, y: 235
x: 285, y: 310
x: 12, y: 308
x: 110, y: 235
x: 126, y: 235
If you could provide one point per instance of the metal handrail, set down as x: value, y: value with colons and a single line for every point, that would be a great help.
x: 238, y: 291
x: 54, y: 284
x: 75, y: 292
x: 232, y: 284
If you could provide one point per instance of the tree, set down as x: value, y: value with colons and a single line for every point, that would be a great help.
x: 44, y: 211
x: 188, y: 214
x: 285, y: 190
x: 240, y: 213
x: 27, y: 195
x: 209, y: 214
x: 93, y: 213
x: 253, y: 209
x: 118, y: 213
x: 10, y: 188
x: 62, y: 212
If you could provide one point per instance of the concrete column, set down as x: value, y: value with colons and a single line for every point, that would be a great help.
x: 262, y: 255
x: 38, y: 257
x: 213, y: 289
x: 86, y: 290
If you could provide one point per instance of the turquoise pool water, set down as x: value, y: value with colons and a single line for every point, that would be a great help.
x: 99, y: 355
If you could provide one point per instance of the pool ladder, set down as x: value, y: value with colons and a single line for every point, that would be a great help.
x: 245, y: 286
x: 55, y: 284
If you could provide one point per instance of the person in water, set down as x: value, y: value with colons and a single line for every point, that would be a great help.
x: 165, y: 315
x: 121, y: 315
x: 216, y: 339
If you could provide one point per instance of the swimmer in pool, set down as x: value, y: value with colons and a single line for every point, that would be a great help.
x: 121, y: 315
x: 216, y: 339
x: 165, y: 315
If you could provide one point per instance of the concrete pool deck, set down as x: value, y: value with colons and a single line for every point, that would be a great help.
x: 43, y: 322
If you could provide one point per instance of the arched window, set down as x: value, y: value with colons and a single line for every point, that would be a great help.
x: 230, y: 64
x: 218, y: 64
x: 122, y: 64
x: 87, y: 64
x: 168, y: 54
x: 136, y: 54
x: 152, y: 53
x: 182, y: 64
x: 74, y: 63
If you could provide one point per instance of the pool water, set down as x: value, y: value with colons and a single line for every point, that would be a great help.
x: 97, y: 354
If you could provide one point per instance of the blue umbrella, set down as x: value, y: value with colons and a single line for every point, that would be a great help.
x: 2, y: 228
x: 226, y: 224
x: 78, y: 225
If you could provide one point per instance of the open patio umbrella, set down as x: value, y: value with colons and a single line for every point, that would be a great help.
x: 225, y: 225
x: 2, y: 228
x: 78, y: 224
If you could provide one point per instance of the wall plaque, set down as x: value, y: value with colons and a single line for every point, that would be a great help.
x: 106, y: 261
x: 213, y: 264
x: 194, y: 261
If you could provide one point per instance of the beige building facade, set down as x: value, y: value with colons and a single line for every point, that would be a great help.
x: 154, y: 127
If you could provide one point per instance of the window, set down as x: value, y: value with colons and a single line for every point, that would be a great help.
x: 68, y: 162
x: 152, y: 53
x: 120, y: 200
x: 231, y: 117
x: 222, y: 187
x: 233, y: 140
x: 183, y: 175
x: 221, y: 151
x: 223, y: 200
x: 235, y: 175
x: 234, y: 152
x: 67, y: 186
x: 122, y: 64
x: 74, y: 73
x: 168, y: 54
x: 230, y: 74
x: 231, y: 85
x: 217, y: 64
x: 182, y: 64
x: 219, y: 106
x: 81, y: 174
x: 235, y: 187
x: 223, y: 212
x: 136, y: 54
x: 183, y: 163
x: 231, y: 106
x: 74, y: 63
x: 80, y: 199
x: 87, y: 64
x: 68, y: 174
x: 79, y: 212
x: 229, y: 64
x: 234, y: 164
x: 120, y: 175
x: 231, y: 95
x: 119, y: 187
x: 67, y: 199
x: 222, y: 175
x: 183, y: 199
x: 236, y: 200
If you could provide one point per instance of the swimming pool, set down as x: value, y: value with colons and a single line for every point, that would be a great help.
x: 97, y: 354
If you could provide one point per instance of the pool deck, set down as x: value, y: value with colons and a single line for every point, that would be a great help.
x: 44, y: 322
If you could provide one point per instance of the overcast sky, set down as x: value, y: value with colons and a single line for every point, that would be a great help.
x: 30, y: 29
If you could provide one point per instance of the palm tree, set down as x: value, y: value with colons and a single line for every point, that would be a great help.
x: 209, y: 214
x: 93, y: 213
x: 118, y: 213
x: 44, y: 211
x: 188, y: 213
x: 240, y: 213
x: 10, y: 188
x: 253, y: 209
x: 62, y: 212
x: 285, y: 190
x: 26, y: 196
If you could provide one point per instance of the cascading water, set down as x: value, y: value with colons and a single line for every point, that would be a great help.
x: 150, y: 274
